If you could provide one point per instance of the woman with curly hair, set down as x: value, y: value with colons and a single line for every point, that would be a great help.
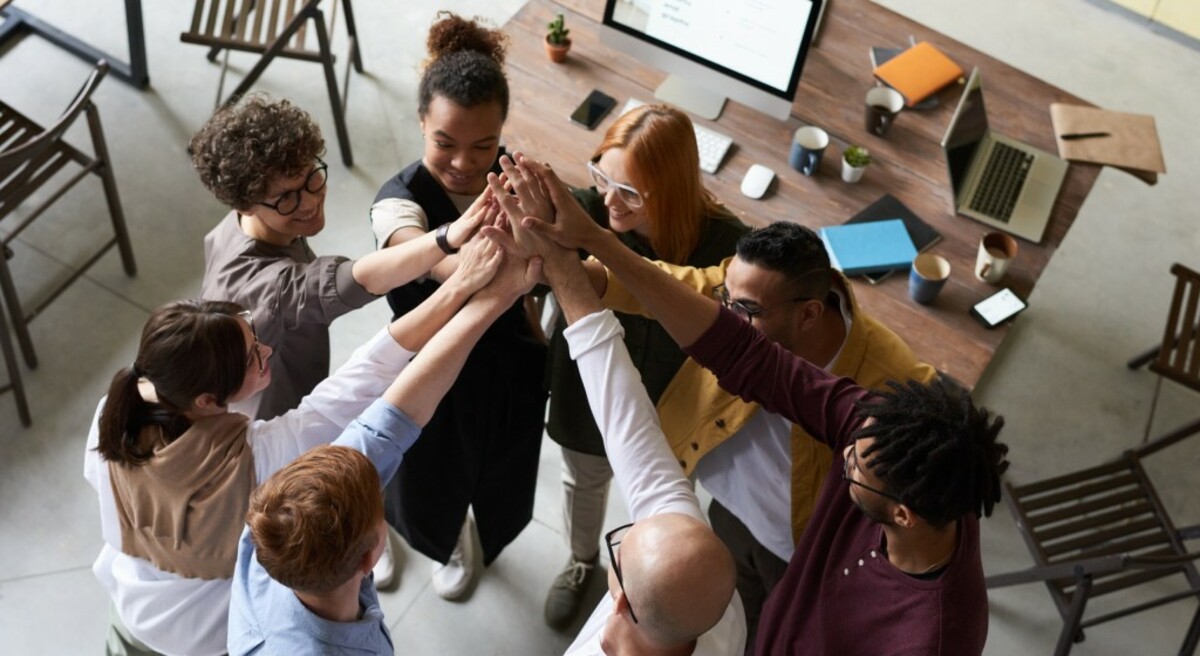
x: 262, y: 158
x: 489, y: 426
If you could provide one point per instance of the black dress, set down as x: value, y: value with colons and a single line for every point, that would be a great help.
x: 481, y: 446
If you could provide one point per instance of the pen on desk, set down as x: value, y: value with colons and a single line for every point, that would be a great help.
x: 1084, y: 135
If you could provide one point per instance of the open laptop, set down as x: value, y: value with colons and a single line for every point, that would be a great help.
x: 997, y: 180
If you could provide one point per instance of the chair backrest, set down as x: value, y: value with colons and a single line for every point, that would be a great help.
x: 1107, y: 510
x: 29, y: 155
x: 251, y: 25
x: 1179, y: 356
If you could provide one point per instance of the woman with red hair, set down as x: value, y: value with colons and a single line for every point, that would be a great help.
x: 648, y: 189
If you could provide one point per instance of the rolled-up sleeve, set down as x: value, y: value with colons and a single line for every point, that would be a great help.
x: 390, y: 214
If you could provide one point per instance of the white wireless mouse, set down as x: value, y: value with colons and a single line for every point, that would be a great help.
x: 757, y: 179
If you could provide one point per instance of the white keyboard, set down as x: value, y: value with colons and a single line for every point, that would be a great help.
x: 712, y: 144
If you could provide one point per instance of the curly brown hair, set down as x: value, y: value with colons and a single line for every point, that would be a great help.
x: 465, y: 64
x: 246, y: 146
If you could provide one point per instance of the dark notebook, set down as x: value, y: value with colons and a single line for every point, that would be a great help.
x: 888, y: 207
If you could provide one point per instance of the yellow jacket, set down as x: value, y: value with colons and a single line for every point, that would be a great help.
x: 697, y: 415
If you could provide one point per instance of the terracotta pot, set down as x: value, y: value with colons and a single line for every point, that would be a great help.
x: 557, y: 53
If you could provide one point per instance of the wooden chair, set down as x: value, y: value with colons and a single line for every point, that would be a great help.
x: 1178, y: 356
x: 276, y: 28
x: 14, y: 383
x: 29, y: 158
x: 1099, y: 531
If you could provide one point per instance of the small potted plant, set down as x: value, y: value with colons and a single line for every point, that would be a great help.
x: 854, y: 162
x: 557, y: 43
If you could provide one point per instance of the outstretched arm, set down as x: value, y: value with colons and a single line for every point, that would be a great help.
x: 646, y: 471
x: 385, y: 269
x: 682, y: 312
x: 420, y: 387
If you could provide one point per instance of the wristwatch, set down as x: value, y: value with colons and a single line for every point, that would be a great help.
x: 443, y: 241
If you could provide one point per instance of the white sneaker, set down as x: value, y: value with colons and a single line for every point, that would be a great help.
x: 385, y: 568
x: 452, y: 580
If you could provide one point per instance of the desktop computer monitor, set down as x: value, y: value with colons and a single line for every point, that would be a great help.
x: 748, y: 50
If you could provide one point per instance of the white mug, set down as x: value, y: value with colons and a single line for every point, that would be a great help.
x: 996, y: 252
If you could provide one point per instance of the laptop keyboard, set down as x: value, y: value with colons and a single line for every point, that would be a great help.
x: 1001, y: 183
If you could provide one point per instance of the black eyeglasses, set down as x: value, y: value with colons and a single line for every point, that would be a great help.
x: 255, y: 352
x: 721, y: 294
x: 846, y: 475
x: 613, y: 539
x: 289, y: 201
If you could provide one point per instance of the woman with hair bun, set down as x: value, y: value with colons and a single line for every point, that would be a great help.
x: 648, y: 189
x: 489, y: 426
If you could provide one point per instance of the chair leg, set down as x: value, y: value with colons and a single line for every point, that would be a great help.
x: 110, y: 190
x: 1071, y: 632
x: 352, y: 31
x: 1142, y: 359
x: 339, y: 114
x: 1153, y: 407
x: 1193, y: 636
x: 20, y: 326
x: 14, y: 374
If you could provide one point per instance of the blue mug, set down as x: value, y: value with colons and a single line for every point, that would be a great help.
x: 808, y: 145
x: 928, y: 276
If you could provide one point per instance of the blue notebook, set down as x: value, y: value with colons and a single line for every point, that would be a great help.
x: 862, y: 248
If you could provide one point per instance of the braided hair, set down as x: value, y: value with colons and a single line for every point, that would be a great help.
x: 934, y: 449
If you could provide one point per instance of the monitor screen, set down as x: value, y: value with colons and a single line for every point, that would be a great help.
x: 759, y: 43
x: 967, y: 129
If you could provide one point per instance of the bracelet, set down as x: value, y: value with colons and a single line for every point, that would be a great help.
x: 442, y: 241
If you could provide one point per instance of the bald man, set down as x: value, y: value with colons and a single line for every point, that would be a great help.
x: 671, y: 583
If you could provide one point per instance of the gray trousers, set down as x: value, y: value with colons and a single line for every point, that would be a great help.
x: 758, y: 568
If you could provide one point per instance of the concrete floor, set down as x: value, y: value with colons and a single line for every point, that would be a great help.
x: 1059, y: 378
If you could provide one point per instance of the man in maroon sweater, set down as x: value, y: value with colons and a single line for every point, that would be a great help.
x: 889, y: 563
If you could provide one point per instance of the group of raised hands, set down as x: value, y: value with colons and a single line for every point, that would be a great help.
x: 525, y: 217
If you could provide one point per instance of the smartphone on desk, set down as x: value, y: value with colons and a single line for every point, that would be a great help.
x: 593, y: 109
x: 998, y: 308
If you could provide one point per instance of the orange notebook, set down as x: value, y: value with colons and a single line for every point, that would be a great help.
x: 918, y: 72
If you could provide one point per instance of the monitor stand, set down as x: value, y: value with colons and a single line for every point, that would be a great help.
x: 690, y: 97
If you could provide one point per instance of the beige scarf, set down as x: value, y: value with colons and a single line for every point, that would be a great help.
x: 185, y: 508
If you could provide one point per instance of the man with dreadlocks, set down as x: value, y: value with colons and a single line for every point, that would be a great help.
x: 889, y: 562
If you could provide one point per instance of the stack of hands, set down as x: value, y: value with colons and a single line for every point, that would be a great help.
x: 525, y: 218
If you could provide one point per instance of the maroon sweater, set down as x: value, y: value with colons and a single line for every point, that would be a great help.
x: 840, y: 595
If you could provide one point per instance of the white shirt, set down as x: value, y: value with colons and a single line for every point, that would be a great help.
x: 177, y: 615
x: 760, y: 452
x: 390, y: 214
x: 724, y: 639
x: 643, y: 466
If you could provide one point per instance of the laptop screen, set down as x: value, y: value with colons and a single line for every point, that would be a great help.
x: 967, y: 129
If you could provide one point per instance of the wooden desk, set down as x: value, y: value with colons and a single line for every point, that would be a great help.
x: 909, y: 163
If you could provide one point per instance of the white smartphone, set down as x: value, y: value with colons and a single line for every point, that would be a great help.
x: 998, y: 308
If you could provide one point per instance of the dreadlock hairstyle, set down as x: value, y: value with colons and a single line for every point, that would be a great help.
x: 934, y: 449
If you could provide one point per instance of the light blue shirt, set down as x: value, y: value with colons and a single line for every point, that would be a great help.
x: 265, y: 617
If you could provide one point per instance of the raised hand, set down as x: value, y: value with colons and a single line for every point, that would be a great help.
x: 516, y: 277
x: 478, y: 262
x: 572, y: 227
x: 528, y: 189
x: 476, y: 215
